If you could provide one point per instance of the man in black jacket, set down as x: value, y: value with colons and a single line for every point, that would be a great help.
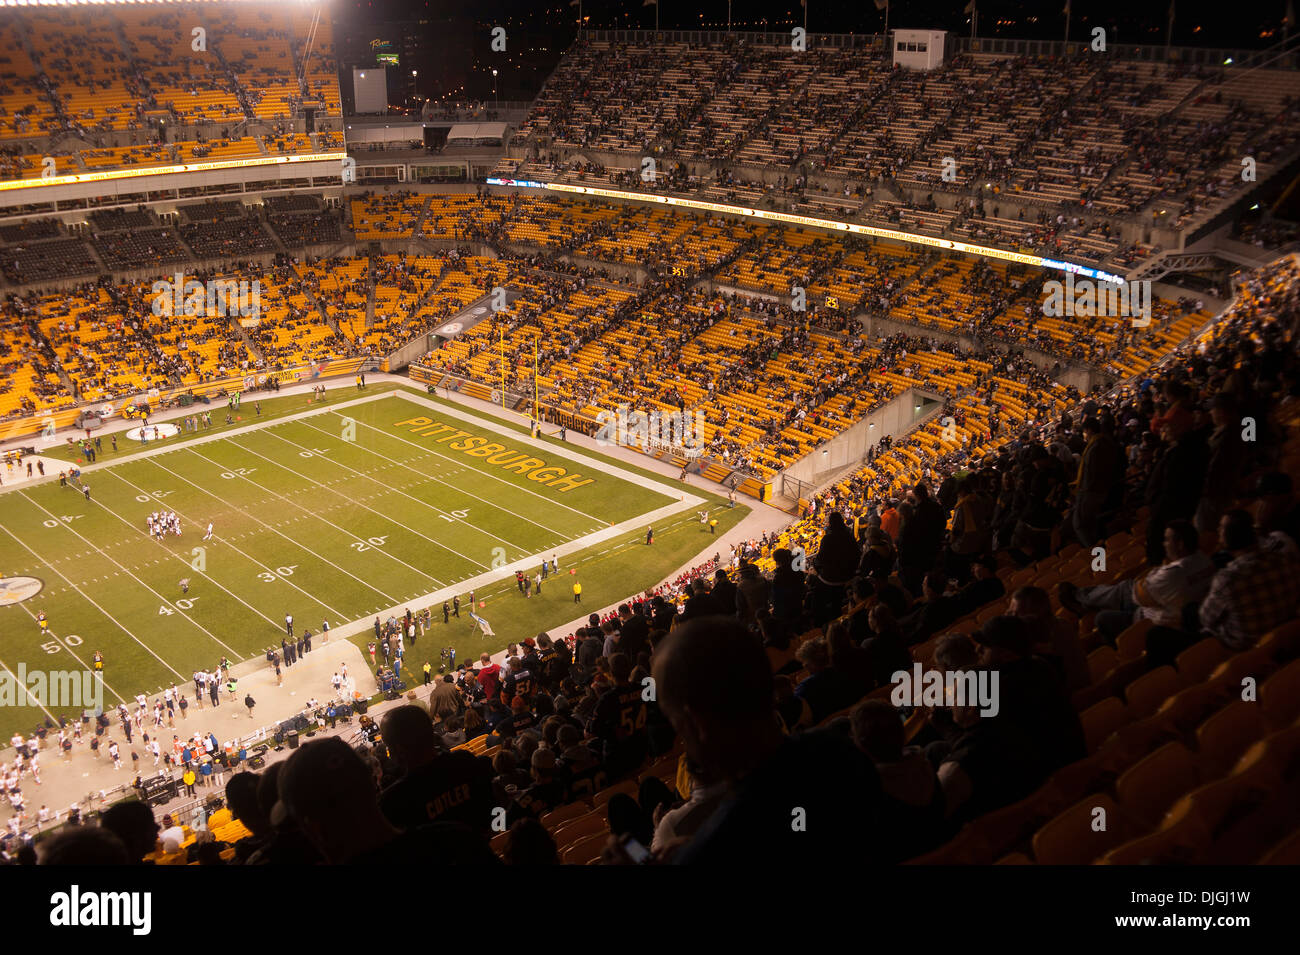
x: 934, y: 612
x: 724, y: 594
x: 634, y: 632
x: 920, y: 538
x: 1100, y: 470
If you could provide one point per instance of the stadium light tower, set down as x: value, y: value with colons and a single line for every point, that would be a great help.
x: 495, y: 98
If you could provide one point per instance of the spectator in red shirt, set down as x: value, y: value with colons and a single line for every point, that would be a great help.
x: 1178, y: 416
x: 489, y: 677
x: 890, y: 520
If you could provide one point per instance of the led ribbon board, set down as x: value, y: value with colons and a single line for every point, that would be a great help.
x: 111, y: 174
x: 787, y: 218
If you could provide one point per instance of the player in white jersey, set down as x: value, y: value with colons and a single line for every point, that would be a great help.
x: 208, y: 535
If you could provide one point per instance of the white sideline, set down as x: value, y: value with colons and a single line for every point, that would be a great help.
x: 685, y: 501
x: 162, y: 447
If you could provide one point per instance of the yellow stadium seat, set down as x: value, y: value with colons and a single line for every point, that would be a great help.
x: 627, y: 787
x: 1225, y: 736
x: 1149, y: 787
x: 1132, y: 642
x: 590, y: 824
x: 1177, y: 843
x: 998, y: 831
x: 1145, y: 694
x: 1199, y: 660
x: 1256, y: 664
x: 558, y: 817
x: 585, y: 850
x: 1284, y: 639
x: 1101, y: 720
x: 1188, y: 708
x: 1100, y: 662
x: 1084, y: 832
x: 1280, y: 695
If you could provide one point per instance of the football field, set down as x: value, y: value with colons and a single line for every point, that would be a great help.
x: 345, y: 511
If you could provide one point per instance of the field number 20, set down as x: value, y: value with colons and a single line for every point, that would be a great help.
x: 369, y: 542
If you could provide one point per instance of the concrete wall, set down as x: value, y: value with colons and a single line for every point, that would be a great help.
x: 848, y: 448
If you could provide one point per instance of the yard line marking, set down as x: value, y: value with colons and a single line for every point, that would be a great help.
x: 346, y: 533
x: 205, y: 575
x: 357, y: 502
x: 499, y: 480
x: 4, y: 666
x: 94, y: 604
x: 183, y: 613
x: 156, y: 450
x: 460, y: 490
x: 568, y: 451
x: 297, y: 544
x: 98, y: 673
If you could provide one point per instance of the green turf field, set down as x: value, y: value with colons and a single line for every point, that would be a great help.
x: 336, y: 512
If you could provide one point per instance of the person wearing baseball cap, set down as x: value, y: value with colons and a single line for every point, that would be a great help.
x: 329, y: 792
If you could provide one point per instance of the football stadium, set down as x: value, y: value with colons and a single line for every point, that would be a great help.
x: 622, y: 436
